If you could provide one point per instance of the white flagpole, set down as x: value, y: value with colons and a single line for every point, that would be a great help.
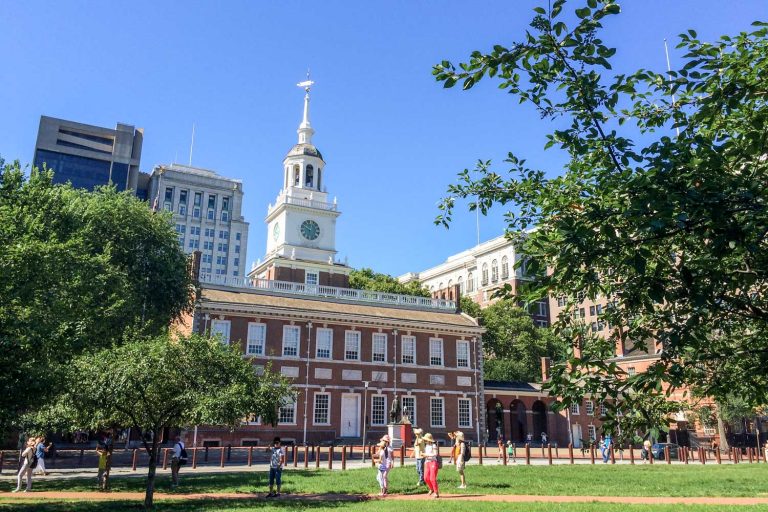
x: 669, y: 70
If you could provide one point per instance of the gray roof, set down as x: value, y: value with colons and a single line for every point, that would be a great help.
x: 305, y: 149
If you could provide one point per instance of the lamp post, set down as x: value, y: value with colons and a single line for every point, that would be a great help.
x: 365, y: 410
x: 306, y: 381
x: 394, y: 371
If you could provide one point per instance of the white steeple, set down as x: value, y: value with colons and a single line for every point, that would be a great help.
x: 305, y: 130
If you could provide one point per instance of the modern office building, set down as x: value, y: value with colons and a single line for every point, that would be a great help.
x: 87, y: 155
x: 207, y: 214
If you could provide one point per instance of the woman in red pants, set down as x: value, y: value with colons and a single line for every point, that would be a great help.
x: 432, y: 464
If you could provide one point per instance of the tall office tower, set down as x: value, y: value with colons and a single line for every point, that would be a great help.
x: 207, y: 213
x: 87, y: 155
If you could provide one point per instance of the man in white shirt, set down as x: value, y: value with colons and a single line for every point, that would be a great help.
x: 178, y: 458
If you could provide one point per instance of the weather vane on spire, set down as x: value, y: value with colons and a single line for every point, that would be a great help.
x: 306, y: 84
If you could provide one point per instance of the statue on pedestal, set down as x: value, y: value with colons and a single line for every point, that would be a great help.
x: 394, y: 412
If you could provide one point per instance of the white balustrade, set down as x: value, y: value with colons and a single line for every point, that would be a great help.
x: 332, y: 292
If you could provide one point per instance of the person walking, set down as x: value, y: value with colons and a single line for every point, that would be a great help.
x: 500, y: 446
x: 511, y: 451
x: 452, y: 440
x: 385, y: 463
x: 461, y: 451
x: 40, y: 450
x: 101, y: 450
x: 27, y: 465
x: 276, y: 463
x: 418, y: 454
x: 607, y: 447
x: 544, y: 439
x: 178, y: 459
x: 432, y: 464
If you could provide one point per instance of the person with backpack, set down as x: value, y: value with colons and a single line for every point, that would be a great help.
x: 462, y: 456
x: 385, y: 462
x: 28, y: 463
x: 433, y: 463
x: 276, y: 463
x: 178, y: 459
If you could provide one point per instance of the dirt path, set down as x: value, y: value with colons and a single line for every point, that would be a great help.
x: 504, y: 498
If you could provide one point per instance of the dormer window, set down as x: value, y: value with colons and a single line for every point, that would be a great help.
x: 309, y: 179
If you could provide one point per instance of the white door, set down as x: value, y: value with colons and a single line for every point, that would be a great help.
x: 576, y: 431
x: 350, y: 415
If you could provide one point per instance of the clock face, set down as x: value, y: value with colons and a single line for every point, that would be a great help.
x: 276, y: 231
x: 310, y: 230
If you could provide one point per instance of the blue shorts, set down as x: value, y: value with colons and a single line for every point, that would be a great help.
x: 275, y: 476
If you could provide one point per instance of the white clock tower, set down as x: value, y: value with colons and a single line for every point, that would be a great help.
x: 301, y: 225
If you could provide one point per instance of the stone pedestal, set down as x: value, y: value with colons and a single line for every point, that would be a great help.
x: 401, y: 434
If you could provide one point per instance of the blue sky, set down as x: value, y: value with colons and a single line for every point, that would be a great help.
x: 392, y: 138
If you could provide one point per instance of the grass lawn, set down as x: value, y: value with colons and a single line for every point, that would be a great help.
x: 370, y: 506
x: 581, y: 480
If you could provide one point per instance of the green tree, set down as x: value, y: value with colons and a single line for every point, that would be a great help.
x: 513, y: 345
x: 670, y: 228
x: 367, y: 279
x: 78, y: 269
x: 155, y: 383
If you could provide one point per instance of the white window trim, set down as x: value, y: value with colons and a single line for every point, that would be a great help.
x: 403, y: 339
x: 442, y: 401
x: 317, y: 344
x: 214, y: 331
x: 298, y: 341
x: 314, y: 273
x: 384, y: 420
x: 294, y: 403
x: 442, y: 352
x: 589, y: 407
x: 248, y: 339
x: 466, y: 343
x: 373, y: 346
x: 359, y: 345
x: 458, y: 413
x: 314, y: 407
x: 575, y: 409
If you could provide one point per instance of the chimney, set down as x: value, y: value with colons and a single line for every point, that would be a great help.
x: 546, y: 366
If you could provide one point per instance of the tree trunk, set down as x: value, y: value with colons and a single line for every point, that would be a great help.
x: 149, y: 496
x: 721, y: 433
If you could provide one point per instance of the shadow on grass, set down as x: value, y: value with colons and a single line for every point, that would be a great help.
x: 201, y: 505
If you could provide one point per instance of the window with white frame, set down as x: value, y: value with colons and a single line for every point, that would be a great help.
x: 575, y: 409
x: 603, y: 409
x: 461, y: 284
x: 589, y: 405
x: 409, y: 407
x: 435, y: 352
x: 504, y: 267
x: 462, y: 354
x: 352, y: 346
x: 322, y: 409
x: 257, y: 335
x: 379, y: 347
x: 709, y: 431
x: 311, y: 278
x: 286, y: 415
x: 465, y: 412
x: 592, y: 432
x: 324, y: 343
x: 378, y: 409
x: 470, y: 282
x: 220, y: 328
x: 631, y: 371
x: 561, y: 301
x: 291, y: 335
x: 494, y: 271
x: 408, y: 344
x: 484, y: 275
x: 436, y: 412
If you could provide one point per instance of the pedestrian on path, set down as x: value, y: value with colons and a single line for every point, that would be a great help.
x: 178, y: 459
x: 432, y: 464
x: 276, y: 463
x: 500, y: 446
x: 452, y: 440
x: 27, y: 465
x: 511, y: 451
x: 606, y: 447
x: 418, y: 454
x: 40, y: 450
x: 461, y: 458
x: 101, y: 478
x: 384, y: 461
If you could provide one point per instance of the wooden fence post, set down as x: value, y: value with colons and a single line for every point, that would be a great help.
x: 592, y: 454
x: 666, y: 455
x: 194, y: 458
x: 330, y: 457
x: 317, y: 458
x: 570, y: 452
x: 527, y: 453
x: 221, y: 461
x: 295, y: 456
x: 250, y: 456
x: 343, y: 458
x: 306, y: 456
x: 402, y: 455
x: 612, y: 453
x: 504, y: 457
x: 631, y: 454
x: 133, y: 467
x: 480, y: 454
x: 549, y: 453
x: 718, y: 456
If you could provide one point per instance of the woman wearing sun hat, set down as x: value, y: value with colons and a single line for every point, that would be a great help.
x: 385, y: 461
x: 431, y: 466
